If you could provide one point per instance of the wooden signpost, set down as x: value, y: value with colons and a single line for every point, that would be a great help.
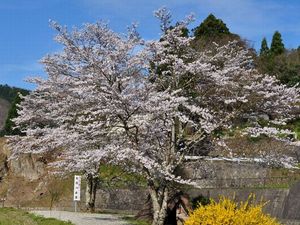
x: 77, y: 184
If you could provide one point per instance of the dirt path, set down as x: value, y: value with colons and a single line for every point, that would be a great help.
x: 83, y: 218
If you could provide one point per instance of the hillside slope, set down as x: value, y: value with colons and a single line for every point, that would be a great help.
x: 4, y: 108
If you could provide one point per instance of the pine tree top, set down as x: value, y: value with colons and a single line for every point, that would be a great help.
x: 264, y: 49
x: 277, y: 46
x: 211, y: 26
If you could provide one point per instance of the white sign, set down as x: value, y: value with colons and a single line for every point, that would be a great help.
x: 77, y: 183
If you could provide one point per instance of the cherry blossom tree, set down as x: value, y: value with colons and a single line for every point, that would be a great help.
x: 53, y: 113
x: 143, y: 105
x: 224, y: 84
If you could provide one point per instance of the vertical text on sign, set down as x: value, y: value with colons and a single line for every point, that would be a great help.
x: 77, y: 183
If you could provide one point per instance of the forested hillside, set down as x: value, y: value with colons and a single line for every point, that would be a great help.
x: 274, y: 58
x: 8, y: 100
x: 9, y: 93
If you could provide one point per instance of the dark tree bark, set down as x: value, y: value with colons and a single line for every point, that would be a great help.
x: 91, y: 190
x: 177, y: 199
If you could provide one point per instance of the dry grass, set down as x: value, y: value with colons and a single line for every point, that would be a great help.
x: 255, y: 147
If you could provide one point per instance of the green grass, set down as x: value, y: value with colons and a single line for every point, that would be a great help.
x: 112, y: 176
x: 11, y: 216
x: 132, y: 221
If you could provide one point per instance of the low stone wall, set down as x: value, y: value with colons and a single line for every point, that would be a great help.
x: 125, y: 200
x: 282, y: 203
x: 290, y: 222
x: 292, y: 203
x: 225, y: 174
x: 276, y: 198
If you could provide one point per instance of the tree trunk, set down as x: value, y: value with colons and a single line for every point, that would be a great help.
x: 146, y: 213
x: 91, y: 189
x: 159, y: 197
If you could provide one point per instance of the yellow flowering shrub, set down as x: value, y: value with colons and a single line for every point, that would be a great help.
x: 227, y: 212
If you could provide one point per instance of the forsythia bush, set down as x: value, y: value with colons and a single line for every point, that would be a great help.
x: 227, y: 212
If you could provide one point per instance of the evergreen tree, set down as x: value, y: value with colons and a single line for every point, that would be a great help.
x: 264, y: 49
x: 13, y: 113
x: 211, y: 26
x: 277, y: 46
x: 213, y: 30
x: 9, y: 93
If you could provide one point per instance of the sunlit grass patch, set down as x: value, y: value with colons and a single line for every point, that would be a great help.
x: 11, y: 216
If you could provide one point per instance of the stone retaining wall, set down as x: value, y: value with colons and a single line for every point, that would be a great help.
x: 282, y: 203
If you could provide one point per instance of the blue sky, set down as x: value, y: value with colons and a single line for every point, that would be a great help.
x: 26, y: 37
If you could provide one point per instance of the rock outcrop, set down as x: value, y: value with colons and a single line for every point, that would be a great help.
x: 28, y: 166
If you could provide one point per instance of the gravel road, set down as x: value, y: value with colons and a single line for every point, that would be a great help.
x: 83, y: 218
